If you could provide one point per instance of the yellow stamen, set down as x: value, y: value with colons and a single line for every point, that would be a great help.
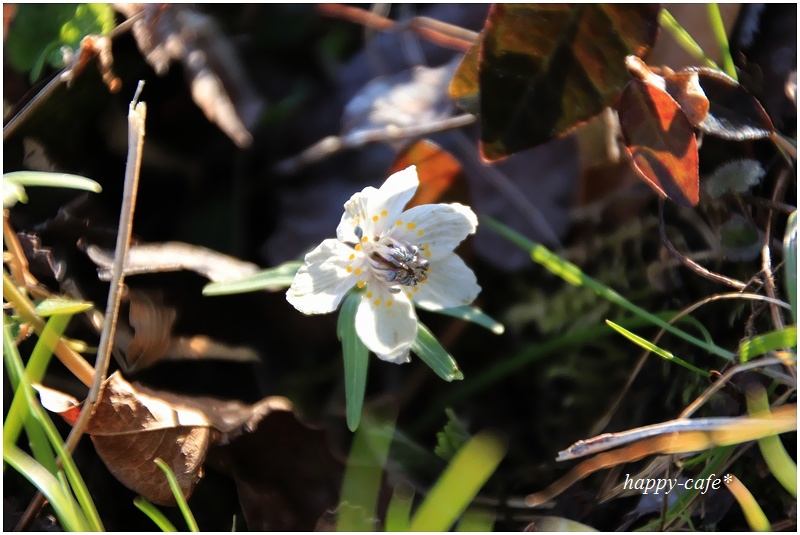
x: 377, y: 302
x: 358, y: 271
x: 420, y: 232
x: 352, y: 257
x: 361, y: 284
x: 369, y: 295
x: 389, y: 303
x: 411, y: 226
x: 349, y: 269
x: 384, y: 213
x: 399, y: 223
x: 375, y: 218
x: 357, y: 247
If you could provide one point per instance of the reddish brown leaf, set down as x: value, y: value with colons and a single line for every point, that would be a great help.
x: 437, y: 169
x: 661, y: 142
x: 545, y: 68
x: 685, y: 88
x: 133, y: 425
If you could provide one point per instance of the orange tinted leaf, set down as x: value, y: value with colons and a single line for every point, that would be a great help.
x: 661, y: 142
x: 545, y: 68
x: 437, y: 169
x: 686, y: 90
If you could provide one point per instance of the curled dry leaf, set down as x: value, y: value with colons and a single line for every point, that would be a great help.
x: 132, y: 425
x: 439, y: 172
x: 217, y: 80
x: 172, y: 256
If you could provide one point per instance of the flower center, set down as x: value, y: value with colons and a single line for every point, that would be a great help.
x: 396, y: 261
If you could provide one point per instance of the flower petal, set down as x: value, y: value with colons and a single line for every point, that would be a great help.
x: 323, y: 280
x: 450, y: 283
x: 376, y: 210
x: 389, y: 327
x: 437, y: 228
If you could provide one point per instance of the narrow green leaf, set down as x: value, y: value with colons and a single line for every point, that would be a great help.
x: 59, y: 306
x: 154, y: 514
x: 67, y: 510
x: 476, y: 520
x: 783, y: 468
x: 641, y: 342
x: 474, y: 315
x: 668, y: 22
x: 37, y: 365
x: 431, y: 352
x: 52, y: 180
x: 356, y: 360
x: 460, y: 483
x: 362, y: 478
x: 272, y: 279
x: 790, y: 255
x: 45, y: 424
x: 718, y: 27
x: 178, y: 494
x: 771, y: 341
x: 573, y: 275
x: 398, y: 513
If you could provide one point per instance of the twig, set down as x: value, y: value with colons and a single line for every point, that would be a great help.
x: 332, y: 144
x: 689, y: 263
x: 770, y: 204
x: 438, y: 32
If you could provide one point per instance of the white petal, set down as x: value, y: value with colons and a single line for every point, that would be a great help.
x: 387, y: 331
x: 450, y: 283
x: 375, y: 210
x: 323, y: 280
x: 438, y: 228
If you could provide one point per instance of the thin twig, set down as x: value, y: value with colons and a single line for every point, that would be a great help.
x: 770, y: 204
x: 332, y: 144
x: 689, y: 263
x: 438, y: 32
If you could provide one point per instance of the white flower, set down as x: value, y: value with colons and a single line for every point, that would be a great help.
x: 397, y: 258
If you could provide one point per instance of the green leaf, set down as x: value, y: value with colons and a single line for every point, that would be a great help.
x: 270, y: 279
x: 428, y: 348
x: 476, y: 519
x: 51, y: 180
x: 641, y: 342
x: 459, y: 484
x: 362, y: 478
x: 59, y: 306
x: 451, y: 438
x: 474, y: 315
x: 783, y: 468
x: 790, y: 256
x: 398, y: 513
x: 771, y: 341
x: 545, y: 68
x: 356, y: 359
x: 40, y: 30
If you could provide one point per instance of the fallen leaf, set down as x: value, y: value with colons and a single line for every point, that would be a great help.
x: 437, y: 169
x: 545, y: 68
x: 464, y: 87
x: 132, y: 425
x: 661, y: 142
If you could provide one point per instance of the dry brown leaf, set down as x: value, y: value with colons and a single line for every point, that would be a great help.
x: 218, y: 84
x: 133, y: 425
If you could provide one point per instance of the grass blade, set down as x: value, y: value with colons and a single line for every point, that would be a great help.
x: 459, y: 484
x: 718, y: 27
x: 52, y: 180
x: 645, y: 344
x: 363, y: 473
x: 771, y: 341
x: 154, y: 514
x: 475, y: 315
x: 781, y: 465
x: 272, y: 279
x: 431, y: 352
x: 178, y: 494
x: 682, y: 37
x: 356, y: 360
x: 398, y: 513
x: 790, y: 255
x: 67, y: 510
x: 753, y: 513
x: 573, y: 275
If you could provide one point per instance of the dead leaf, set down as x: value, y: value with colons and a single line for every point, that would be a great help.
x: 661, y: 142
x: 132, y: 425
x: 285, y: 473
x: 216, y: 77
